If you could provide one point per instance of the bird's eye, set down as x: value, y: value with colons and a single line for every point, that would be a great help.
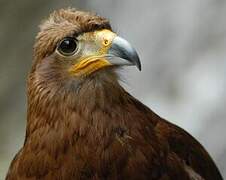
x: 68, y: 46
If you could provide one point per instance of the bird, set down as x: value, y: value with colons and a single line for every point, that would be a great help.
x: 81, y: 122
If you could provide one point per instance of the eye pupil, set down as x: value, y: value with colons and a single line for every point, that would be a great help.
x: 68, y: 46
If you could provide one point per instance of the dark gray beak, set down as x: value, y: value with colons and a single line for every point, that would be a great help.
x: 122, y: 53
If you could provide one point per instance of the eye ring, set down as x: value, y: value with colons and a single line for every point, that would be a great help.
x: 68, y: 46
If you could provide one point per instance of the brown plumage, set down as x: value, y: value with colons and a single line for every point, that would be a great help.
x: 81, y: 124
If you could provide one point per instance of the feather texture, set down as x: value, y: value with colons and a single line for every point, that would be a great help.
x: 91, y: 128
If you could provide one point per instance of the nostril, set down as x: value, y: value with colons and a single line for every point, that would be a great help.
x: 106, y: 42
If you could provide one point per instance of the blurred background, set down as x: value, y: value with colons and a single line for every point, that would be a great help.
x: 182, y: 46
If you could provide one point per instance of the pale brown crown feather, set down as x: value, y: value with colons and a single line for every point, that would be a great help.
x: 62, y: 23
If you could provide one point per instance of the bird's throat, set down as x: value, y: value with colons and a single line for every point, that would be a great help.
x: 97, y: 98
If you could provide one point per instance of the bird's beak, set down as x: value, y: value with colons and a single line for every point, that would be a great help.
x: 122, y: 53
x: 105, y: 49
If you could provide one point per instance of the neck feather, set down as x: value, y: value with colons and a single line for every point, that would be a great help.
x: 62, y: 106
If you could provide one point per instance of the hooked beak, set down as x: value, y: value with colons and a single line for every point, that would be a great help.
x: 122, y: 53
x: 108, y: 49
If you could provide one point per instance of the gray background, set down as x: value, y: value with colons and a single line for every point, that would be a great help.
x: 182, y: 46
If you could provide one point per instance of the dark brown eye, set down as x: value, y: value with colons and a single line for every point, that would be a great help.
x: 68, y: 46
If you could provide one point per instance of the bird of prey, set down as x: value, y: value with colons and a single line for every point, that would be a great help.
x: 82, y: 124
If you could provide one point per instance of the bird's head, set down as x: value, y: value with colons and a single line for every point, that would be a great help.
x: 75, y: 45
x: 76, y: 54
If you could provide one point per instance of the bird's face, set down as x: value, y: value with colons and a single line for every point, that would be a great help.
x: 74, y: 45
x: 95, y: 50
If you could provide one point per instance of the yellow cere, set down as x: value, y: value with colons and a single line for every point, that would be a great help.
x: 99, y: 42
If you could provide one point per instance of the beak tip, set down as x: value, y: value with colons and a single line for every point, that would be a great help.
x: 138, y: 65
x: 136, y: 61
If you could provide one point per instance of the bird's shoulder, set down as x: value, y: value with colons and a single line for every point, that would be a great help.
x: 182, y: 146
